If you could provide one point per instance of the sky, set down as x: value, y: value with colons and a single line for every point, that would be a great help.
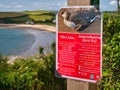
x: 28, y: 5
x: 108, y: 5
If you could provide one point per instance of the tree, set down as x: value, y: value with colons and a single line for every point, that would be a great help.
x: 118, y: 5
x: 95, y: 3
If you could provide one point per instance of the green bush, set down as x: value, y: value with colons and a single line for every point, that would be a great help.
x: 33, y: 73
x: 111, y: 52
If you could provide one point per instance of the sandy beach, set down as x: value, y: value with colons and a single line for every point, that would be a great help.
x: 29, y: 26
x: 44, y: 36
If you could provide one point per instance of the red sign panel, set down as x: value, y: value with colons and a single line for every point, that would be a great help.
x: 78, y: 54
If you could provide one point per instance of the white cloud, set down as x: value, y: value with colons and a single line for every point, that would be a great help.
x: 108, y: 5
x: 18, y: 6
x: 113, y: 2
x: 58, y: 4
x: 47, y: 6
x: 38, y: 4
x: 14, y: 3
x: 35, y: 3
x: 8, y: 6
x: 1, y: 5
x: 103, y: 6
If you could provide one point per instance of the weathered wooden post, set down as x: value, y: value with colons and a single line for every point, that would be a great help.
x: 75, y: 84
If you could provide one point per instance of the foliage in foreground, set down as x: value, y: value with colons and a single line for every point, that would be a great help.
x: 37, y: 73
x: 33, y: 73
x: 111, y: 52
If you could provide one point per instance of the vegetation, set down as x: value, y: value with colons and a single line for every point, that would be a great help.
x: 10, y: 14
x: 38, y: 17
x: 95, y: 3
x: 37, y: 73
x: 118, y: 5
x: 111, y: 52
x: 33, y: 73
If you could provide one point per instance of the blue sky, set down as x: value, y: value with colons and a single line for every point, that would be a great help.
x: 23, y: 5
x: 108, y: 5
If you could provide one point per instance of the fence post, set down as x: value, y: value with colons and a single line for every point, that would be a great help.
x: 75, y: 84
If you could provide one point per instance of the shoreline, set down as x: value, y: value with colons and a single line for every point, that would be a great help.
x: 29, y: 26
x: 42, y: 38
x: 41, y: 34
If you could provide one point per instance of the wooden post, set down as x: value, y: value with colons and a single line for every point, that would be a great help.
x: 75, y: 84
x: 78, y: 2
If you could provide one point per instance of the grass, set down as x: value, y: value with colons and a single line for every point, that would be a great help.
x: 36, y: 12
x: 39, y: 17
x: 10, y: 14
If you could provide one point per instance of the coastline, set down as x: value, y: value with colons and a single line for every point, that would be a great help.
x: 29, y: 26
x: 44, y: 36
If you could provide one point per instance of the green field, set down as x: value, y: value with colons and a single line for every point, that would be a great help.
x: 37, y: 17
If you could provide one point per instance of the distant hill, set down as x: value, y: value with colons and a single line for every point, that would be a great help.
x: 28, y: 17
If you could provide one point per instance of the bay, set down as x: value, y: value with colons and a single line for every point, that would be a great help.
x: 23, y: 42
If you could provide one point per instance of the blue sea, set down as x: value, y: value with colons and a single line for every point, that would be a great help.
x: 14, y: 41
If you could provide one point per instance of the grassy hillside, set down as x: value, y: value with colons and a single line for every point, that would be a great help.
x: 10, y: 14
x: 37, y: 17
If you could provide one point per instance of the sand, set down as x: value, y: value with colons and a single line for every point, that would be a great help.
x: 34, y: 26
x: 42, y: 38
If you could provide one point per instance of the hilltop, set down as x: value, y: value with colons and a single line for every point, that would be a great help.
x: 28, y: 17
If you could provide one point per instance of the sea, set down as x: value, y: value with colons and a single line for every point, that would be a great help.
x: 17, y: 41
